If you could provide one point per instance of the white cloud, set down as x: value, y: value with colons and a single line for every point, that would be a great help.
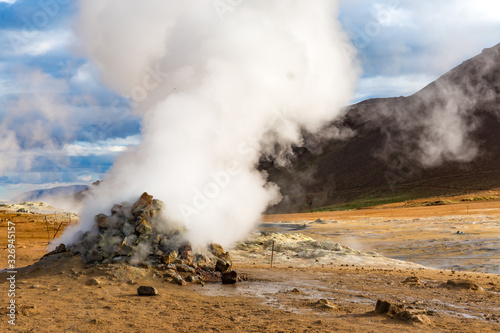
x: 10, y: 2
x: 107, y: 147
x: 403, y: 39
x: 36, y: 43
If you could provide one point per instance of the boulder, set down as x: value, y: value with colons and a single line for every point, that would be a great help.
x: 382, y: 307
x: 101, y: 220
x: 230, y: 277
x: 218, y: 252
x: 222, y: 266
x: 147, y: 291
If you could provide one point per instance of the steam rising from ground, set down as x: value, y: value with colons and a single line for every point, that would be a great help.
x: 218, y: 84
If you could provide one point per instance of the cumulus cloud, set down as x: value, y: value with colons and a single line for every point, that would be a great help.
x: 403, y: 38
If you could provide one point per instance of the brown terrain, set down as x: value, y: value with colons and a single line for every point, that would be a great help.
x: 60, y: 293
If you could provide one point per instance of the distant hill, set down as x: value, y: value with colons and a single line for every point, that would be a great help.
x: 51, y: 193
x: 444, y: 139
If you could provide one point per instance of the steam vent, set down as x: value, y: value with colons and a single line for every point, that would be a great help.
x: 132, y: 235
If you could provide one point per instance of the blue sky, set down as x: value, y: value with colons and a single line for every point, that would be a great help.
x: 59, y: 125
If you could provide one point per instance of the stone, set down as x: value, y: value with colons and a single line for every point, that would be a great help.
x: 147, y: 291
x: 463, y: 284
x: 325, y: 304
x: 102, y: 221
x: 128, y: 229
x: 194, y: 279
x: 219, y: 253
x: 168, y: 258
x: 61, y: 248
x: 222, y: 266
x: 230, y: 277
x: 143, y: 227
x: 117, y: 209
x: 382, y: 307
x: 96, y: 255
x: 124, y: 250
x: 130, y: 240
x: 200, y: 259
x: 93, y: 282
x: 179, y: 280
x: 412, y: 280
x: 183, y: 268
x: 119, y: 260
x: 422, y: 319
x: 144, y: 200
x: 185, y: 251
x: 217, y: 250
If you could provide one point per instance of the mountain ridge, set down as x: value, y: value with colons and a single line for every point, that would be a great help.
x: 444, y: 139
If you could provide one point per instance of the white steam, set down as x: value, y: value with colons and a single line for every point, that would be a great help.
x: 218, y: 84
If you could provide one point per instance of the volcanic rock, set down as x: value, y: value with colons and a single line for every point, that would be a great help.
x: 147, y: 291
x: 101, y: 220
x: 194, y: 279
x: 143, y: 227
x: 222, y: 266
x: 184, y: 268
x: 382, y: 307
x: 230, y: 277
x: 145, y: 200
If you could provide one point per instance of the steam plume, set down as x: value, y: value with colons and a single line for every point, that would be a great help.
x: 218, y: 84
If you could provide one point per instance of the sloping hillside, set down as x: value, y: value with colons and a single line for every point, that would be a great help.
x: 443, y: 140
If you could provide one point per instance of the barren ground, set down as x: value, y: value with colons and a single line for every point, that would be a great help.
x: 53, y: 295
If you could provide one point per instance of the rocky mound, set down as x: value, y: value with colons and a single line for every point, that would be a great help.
x: 138, y: 235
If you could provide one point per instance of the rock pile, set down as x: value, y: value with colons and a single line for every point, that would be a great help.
x: 139, y: 235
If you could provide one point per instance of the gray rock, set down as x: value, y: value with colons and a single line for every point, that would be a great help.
x: 96, y: 255
x: 184, y: 268
x: 194, y: 279
x: 102, y: 221
x: 128, y: 229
